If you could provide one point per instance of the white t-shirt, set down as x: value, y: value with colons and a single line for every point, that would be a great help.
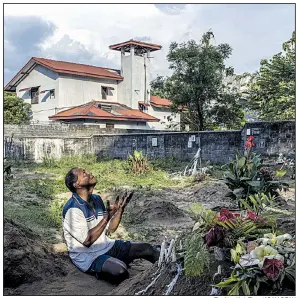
x: 78, y: 219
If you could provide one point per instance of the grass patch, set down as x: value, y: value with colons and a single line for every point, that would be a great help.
x: 32, y: 202
x: 114, y: 173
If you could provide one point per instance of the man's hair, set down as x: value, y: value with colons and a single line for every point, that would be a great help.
x: 70, y: 178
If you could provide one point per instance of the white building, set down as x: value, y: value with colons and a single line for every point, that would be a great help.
x: 67, y: 92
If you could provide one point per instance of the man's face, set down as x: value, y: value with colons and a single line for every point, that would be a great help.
x: 85, y: 179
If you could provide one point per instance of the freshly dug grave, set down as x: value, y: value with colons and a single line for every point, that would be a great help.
x: 186, y: 286
x: 141, y: 211
x: 210, y: 193
x: 26, y: 259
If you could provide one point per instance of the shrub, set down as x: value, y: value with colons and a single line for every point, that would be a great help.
x: 246, y: 176
x: 138, y: 163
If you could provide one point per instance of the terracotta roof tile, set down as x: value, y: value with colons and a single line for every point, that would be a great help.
x: 158, y: 101
x: 134, y: 113
x: 91, y: 110
x: 78, y: 69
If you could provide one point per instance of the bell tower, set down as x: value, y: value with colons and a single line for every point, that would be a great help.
x: 135, y: 69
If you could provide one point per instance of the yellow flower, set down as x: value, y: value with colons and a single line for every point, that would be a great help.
x: 236, y: 253
x: 235, y: 256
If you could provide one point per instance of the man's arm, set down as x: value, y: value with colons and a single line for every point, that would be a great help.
x: 94, y: 233
x: 75, y: 223
x: 115, y: 220
x: 116, y: 210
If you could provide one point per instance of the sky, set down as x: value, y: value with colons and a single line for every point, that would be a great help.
x: 82, y: 33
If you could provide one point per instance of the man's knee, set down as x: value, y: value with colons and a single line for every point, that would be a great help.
x: 115, y: 267
x: 119, y: 275
x: 122, y: 271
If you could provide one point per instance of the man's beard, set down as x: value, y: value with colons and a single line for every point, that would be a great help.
x: 89, y: 185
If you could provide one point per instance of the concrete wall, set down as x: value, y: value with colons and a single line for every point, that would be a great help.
x: 125, y: 86
x: 77, y: 90
x: 33, y: 143
x: 136, y: 84
x: 37, y: 148
x: 271, y: 138
x: 62, y: 130
x: 181, y: 145
x: 140, y: 80
x: 47, y: 80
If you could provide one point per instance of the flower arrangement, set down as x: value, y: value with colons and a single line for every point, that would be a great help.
x: 251, y: 242
x: 268, y: 259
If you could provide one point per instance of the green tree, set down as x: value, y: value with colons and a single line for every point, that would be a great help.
x: 158, y: 87
x: 199, y: 83
x: 16, y: 111
x: 272, y: 89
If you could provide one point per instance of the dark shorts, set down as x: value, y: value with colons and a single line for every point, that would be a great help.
x: 120, y: 251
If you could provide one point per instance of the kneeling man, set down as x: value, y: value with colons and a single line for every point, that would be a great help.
x: 86, y: 221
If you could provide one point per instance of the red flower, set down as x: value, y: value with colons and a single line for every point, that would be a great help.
x: 251, y: 215
x: 225, y: 214
x: 249, y: 142
x: 272, y: 268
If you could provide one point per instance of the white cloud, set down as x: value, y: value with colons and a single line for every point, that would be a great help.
x: 91, y: 28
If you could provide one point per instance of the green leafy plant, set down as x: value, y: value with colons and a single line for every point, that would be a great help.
x: 246, y: 177
x: 243, y: 281
x: 197, y: 257
x: 16, y: 110
x: 138, y: 163
x: 205, y: 218
x: 49, y: 162
x: 269, y: 183
x: 257, y: 202
x: 239, y: 228
x: 241, y: 172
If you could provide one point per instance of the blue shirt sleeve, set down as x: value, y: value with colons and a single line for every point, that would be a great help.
x: 100, y: 202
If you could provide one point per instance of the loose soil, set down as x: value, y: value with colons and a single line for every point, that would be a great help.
x: 32, y: 267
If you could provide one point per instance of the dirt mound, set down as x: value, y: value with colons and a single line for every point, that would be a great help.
x: 142, y: 211
x: 185, y: 286
x: 26, y: 259
x: 213, y: 194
